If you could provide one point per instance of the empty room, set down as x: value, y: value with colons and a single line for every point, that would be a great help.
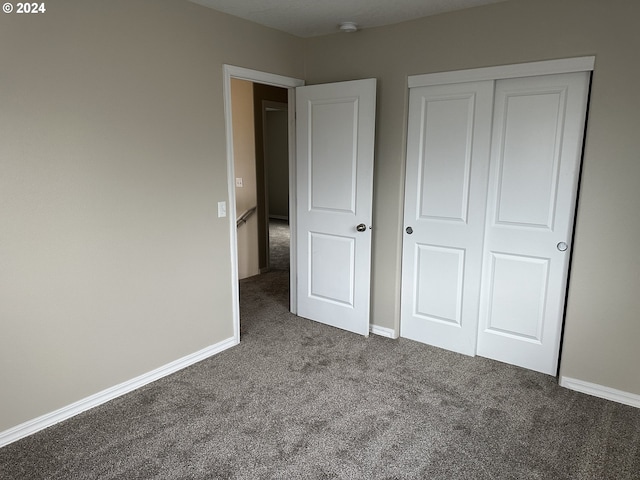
x: 460, y: 296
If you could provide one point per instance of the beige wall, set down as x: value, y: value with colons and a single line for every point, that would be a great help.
x: 603, y: 316
x: 244, y: 156
x: 113, y: 261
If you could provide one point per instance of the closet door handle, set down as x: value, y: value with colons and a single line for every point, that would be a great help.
x: 409, y: 230
x: 361, y: 228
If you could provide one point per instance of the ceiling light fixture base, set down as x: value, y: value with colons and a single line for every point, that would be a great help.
x: 348, y: 27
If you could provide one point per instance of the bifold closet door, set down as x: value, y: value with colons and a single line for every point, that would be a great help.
x: 446, y: 183
x: 536, y: 151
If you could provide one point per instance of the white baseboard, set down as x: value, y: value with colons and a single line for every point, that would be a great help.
x: 383, y: 332
x: 600, y: 391
x: 40, y: 423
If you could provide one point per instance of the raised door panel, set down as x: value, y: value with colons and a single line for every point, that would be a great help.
x: 332, y: 268
x: 446, y: 156
x: 333, y: 128
x: 529, y: 156
x: 438, y: 285
x: 517, y: 310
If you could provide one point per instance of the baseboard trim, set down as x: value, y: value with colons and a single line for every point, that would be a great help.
x: 279, y: 217
x: 40, y: 423
x: 383, y: 332
x: 596, y: 390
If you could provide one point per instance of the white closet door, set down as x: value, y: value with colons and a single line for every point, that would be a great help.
x: 446, y: 183
x: 535, y: 160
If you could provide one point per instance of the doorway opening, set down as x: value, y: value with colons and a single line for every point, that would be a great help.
x: 261, y: 165
x: 259, y: 114
x: 330, y: 265
x: 275, y: 148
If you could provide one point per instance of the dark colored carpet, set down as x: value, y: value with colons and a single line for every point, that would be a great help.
x: 279, y: 244
x: 300, y: 400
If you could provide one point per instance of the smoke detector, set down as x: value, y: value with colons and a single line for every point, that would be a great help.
x: 348, y: 27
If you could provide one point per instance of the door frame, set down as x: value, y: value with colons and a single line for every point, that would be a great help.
x: 290, y: 83
x: 518, y: 70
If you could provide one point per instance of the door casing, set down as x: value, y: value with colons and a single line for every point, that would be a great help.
x: 290, y: 83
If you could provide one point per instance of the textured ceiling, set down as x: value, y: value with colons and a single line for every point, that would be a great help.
x: 308, y: 18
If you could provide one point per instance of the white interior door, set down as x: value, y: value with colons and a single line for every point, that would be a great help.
x: 535, y: 161
x: 334, y: 181
x: 449, y: 133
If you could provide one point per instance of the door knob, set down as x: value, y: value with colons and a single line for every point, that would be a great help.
x: 361, y: 228
x: 409, y: 230
x: 562, y: 246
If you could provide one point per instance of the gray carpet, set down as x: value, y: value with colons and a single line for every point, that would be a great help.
x: 300, y: 400
x: 279, y: 244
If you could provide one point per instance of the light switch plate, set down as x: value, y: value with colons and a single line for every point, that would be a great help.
x: 222, y: 209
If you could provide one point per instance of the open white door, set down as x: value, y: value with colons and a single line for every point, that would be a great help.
x: 334, y: 181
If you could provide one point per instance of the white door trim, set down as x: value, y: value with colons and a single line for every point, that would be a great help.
x: 230, y: 71
x: 519, y: 70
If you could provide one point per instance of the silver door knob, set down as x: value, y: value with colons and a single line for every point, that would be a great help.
x: 361, y: 228
x: 409, y: 230
x: 562, y: 246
